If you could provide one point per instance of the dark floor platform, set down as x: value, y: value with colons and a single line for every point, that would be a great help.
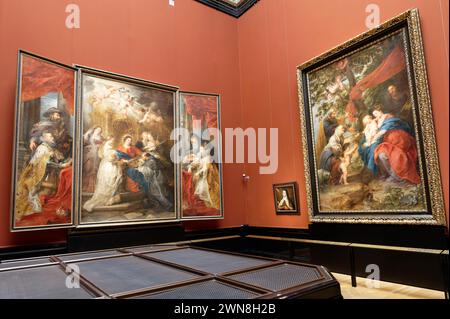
x: 164, y: 272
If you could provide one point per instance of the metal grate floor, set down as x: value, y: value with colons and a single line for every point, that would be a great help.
x: 279, y: 277
x: 48, y: 282
x: 207, y: 261
x: 204, y: 290
x: 114, y: 275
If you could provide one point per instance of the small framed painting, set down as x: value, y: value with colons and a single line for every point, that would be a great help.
x: 285, y: 199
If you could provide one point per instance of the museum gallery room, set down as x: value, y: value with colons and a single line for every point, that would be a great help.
x: 224, y: 149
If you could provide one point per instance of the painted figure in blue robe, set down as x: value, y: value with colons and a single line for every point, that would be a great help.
x: 386, y: 123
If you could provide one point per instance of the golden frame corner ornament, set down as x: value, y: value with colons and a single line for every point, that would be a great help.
x: 435, y: 214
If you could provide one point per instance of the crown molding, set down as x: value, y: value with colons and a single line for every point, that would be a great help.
x: 235, y: 10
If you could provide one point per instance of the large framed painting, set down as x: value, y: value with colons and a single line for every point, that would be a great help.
x: 126, y: 175
x: 43, y: 154
x: 368, y: 136
x: 201, y: 165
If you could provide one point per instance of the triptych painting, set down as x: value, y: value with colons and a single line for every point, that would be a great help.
x: 93, y: 148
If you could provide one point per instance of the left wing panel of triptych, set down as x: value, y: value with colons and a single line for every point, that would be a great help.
x: 44, y: 148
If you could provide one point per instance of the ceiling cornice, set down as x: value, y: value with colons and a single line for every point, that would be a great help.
x: 234, y: 8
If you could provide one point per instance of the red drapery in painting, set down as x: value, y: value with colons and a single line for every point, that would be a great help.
x: 401, y: 149
x: 40, y: 78
x: 394, y: 63
x: 192, y: 205
x: 202, y: 108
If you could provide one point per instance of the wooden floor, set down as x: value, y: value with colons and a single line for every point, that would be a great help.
x: 386, y: 290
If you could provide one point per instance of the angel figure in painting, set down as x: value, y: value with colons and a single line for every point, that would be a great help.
x: 125, y: 103
x: 284, y: 202
x: 151, y: 116
x: 345, y: 161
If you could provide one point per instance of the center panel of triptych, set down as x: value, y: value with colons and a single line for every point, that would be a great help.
x: 126, y: 173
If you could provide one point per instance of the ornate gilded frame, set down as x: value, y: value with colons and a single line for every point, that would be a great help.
x: 435, y: 214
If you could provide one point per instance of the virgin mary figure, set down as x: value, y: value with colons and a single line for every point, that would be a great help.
x: 393, y: 154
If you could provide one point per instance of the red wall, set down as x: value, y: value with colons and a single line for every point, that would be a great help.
x: 275, y: 37
x: 251, y: 62
x: 188, y: 45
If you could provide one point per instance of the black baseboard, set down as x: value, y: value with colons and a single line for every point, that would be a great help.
x: 276, y: 232
x: 431, y: 237
x: 32, y: 251
x: 419, y: 236
x: 210, y: 233
x: 104, y: 238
